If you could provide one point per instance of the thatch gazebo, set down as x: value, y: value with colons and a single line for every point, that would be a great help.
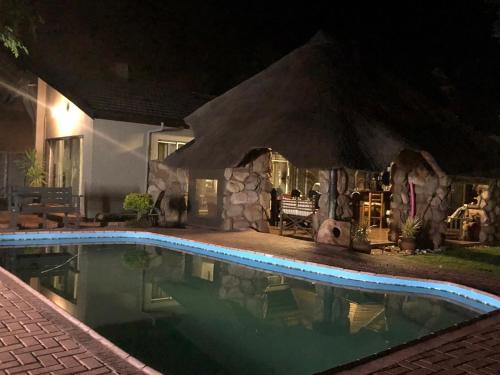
x: 320, y: 107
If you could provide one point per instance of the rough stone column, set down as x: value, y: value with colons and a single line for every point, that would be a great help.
x: 247, y: 195
x: 431, y: 189
x: 323, y: 225
x: 490, y: 220
x: 400, y: 202
x: 345, y: 187
x: 243, y: 286
x: 331, y: 309
x: 174, y: 181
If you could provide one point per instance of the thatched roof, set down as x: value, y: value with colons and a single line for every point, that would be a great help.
x: 319, y: 108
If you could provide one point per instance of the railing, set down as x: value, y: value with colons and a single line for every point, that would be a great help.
x: 455, y: 227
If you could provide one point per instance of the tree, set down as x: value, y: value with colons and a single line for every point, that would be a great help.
x: 18, y: 21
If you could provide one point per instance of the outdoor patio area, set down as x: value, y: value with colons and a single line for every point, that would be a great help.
x: 194, y: 188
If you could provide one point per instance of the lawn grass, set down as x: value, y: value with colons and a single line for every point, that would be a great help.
x: 481, y: 258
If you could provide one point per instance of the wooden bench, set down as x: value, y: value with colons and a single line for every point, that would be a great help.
x: 43, y: 200
x: 297, y: 214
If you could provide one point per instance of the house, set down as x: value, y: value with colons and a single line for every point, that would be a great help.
x: 319, y: 115
x: 98, y: 136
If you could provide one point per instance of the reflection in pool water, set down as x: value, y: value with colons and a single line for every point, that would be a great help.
x: 186, y: 314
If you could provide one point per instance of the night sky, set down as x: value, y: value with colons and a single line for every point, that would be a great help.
x: 445, y: 49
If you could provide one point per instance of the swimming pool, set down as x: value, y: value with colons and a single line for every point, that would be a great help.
x: 188, y: 308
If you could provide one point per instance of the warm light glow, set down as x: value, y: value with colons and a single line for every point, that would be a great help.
x: 66, y: 114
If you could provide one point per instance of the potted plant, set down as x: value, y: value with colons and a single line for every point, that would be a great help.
x: 409, y: 231
x: 140, y: 203
x: 32, y: 168
x: 360, y: 241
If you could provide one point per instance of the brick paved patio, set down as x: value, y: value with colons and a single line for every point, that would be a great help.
x: 36, y: 337
x: 470, y: 348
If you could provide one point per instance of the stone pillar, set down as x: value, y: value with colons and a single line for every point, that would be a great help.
x: 345, y: 187
x: 331, y: 309
x: 325, y: 226
x: 247, y: 195
x: 174, y: 181
x: 400, y: 202
x: 490, y: 219
x: 431, y: 189
x: 243, y: 286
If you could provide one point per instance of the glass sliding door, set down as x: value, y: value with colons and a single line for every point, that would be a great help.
x: 64, y: 161
x: 280, y: 177
x: 206, y: 198
x: 286, y: 177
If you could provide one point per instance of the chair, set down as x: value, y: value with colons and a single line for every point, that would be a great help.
x: 297, y: 214
x: 156, y: 211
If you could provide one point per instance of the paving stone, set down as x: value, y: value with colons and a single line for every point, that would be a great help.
x: 47, y: 360
x: 476, y: 352
x: 91, y: 363
x: 26, y: 358
x: 23, y: 369
x: 45, y: 370
x: 35, y: 339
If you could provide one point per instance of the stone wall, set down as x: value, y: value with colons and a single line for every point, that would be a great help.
x: 174, y: 181
x: 247, y: 195
x: 330, y: 231
x: 345, y: 187
x: 244, y: 286
x: 431, y: 186
x: 490, y: 221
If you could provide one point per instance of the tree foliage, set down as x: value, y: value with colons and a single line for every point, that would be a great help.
x: 138, y: 202
x: 18, y: 22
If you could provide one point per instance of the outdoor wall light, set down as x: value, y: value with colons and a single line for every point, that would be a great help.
x: 65, y: 114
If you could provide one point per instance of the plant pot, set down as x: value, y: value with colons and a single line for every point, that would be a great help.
x: 363, y: 247
x: 408, y: 245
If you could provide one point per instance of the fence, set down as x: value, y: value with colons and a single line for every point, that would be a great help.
x: 10, y: 175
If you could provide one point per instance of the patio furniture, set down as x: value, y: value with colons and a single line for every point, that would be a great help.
x: 297, y: 214
x: 156, y: 211
x: 43, y: 200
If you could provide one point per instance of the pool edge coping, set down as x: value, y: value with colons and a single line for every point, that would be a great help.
x: 116, y: 350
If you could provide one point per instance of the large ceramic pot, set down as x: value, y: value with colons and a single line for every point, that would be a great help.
x: 363, y: 247
x: 408, y: 245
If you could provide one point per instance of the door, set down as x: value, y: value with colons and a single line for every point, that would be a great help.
x: 64, y: 163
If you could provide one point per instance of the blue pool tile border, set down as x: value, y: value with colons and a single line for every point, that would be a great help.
x: 472, y: 298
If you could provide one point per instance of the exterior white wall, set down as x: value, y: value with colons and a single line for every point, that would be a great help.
x: 114, y: 152
x: 119, y: 164
x: 58, y: 117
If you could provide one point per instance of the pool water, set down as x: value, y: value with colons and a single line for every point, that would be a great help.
x: 186, y: 314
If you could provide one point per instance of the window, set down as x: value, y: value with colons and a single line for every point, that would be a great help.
x: 166, y: 148
x: 281, y: 172
x: 206, y: 198
x: 287, y: 177
x: 158, y: 293
x: 203, y: 268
